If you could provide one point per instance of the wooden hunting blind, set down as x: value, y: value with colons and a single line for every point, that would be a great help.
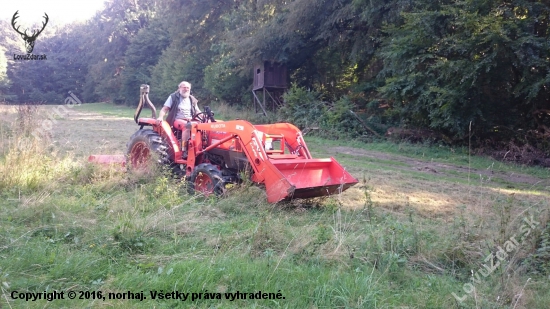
x: 269, y: 75
x: 271, y: 79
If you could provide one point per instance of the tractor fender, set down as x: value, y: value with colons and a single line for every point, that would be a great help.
x: 147, y: 121
x: 164, y: 130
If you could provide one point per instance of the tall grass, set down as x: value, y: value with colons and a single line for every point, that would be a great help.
x: 77, y: 227
x: 27, y: 159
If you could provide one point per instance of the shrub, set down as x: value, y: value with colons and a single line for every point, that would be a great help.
x: 302, y: 107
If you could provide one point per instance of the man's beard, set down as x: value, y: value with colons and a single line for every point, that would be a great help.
x: 185, y: 94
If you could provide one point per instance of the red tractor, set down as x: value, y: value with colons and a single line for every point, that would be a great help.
x: 221, y: 152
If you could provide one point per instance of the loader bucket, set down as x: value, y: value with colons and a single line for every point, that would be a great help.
x: 310, y: 178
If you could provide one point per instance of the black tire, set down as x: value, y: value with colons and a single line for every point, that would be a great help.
x: 206, y: 180
x: 147, y: 148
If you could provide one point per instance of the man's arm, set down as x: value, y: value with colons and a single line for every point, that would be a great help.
x: 163, y: 112
x: 196, y: 103
x: 165, y: 108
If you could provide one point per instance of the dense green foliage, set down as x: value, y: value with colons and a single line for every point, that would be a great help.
x: 457, y: 62
x: 466, y: 69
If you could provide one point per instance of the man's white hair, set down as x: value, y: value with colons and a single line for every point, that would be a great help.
x: 184, y: 82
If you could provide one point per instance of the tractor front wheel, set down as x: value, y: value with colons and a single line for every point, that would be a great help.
x: 206, y: 179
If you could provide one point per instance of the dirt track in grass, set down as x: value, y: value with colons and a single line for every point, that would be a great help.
x: 412, y: 164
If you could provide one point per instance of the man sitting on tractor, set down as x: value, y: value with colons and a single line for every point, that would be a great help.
x: 185, y: 108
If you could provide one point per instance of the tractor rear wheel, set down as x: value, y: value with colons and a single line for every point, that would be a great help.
x: 206, y: 179
x: 146, y: 148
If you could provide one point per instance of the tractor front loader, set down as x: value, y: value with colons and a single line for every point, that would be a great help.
x: 275, y: 156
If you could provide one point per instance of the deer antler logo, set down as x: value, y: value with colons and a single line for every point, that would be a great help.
x: 29, y: 40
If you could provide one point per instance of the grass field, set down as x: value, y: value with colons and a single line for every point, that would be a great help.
x: 423, y: 223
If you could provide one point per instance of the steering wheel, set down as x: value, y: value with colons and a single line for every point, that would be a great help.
x: 200, y: 117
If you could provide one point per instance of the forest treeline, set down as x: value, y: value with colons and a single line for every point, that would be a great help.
x: 464, y: 71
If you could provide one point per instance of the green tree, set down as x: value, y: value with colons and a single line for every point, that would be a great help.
x: 195, y: 28
x: 455, y: 62
x: 110, y: 32
x: 4, y: 81
x: 141, y: 56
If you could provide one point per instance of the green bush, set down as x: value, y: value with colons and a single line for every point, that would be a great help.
x: 302, y: 107
x: 338, y: 121
x: 305, y: 109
